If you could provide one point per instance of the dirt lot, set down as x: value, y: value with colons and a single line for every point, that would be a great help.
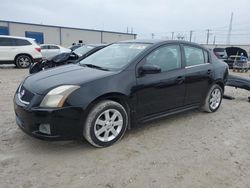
x: 193, y: 149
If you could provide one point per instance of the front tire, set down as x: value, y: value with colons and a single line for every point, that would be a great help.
x: 105, y: 124
x: 213, y: 99
x: 23, y: 61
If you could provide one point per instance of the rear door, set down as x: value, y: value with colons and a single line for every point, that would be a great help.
x: 165, y: 90
x: 198, y: 74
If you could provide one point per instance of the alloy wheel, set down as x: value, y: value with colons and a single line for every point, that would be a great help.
x: 215, y: 99
x: 108, y: 125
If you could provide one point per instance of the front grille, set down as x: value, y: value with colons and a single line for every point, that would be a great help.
x: 25, y: 95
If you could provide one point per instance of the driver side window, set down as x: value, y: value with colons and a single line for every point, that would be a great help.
x: 167, y: 58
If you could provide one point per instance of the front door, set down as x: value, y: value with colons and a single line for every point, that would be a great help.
x: 165, y: 90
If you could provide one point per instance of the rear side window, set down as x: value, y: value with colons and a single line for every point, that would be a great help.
x: 22, y: 42
x: 6, y: 41
x: 44, y: 47
x: 53, y: 47
x: 13, y: 42
x: 194, y: 56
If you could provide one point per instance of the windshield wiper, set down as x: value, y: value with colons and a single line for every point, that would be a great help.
x: 95, y: 67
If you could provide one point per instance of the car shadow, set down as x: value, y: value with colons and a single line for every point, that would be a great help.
x: 164, y: 121
x: 7, y: 66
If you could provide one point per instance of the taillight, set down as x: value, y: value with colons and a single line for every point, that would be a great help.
x: 38, y: 49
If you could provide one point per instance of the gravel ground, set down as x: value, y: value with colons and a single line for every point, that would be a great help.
x: 193, y: 149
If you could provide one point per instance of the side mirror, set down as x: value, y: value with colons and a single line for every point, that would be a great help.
x: 149, y: 69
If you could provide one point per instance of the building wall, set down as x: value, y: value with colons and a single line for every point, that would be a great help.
x: 50, y: 34
x: 65, y: 36
x: 73, y: 35
x: 4, y: 24
x: 111, y: 37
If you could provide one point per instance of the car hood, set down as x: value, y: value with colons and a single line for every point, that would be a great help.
x: 235, y: 51
x: 42, y: 82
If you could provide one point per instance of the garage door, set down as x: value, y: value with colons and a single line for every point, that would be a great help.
x: 4, y: 30
x: 35, y: 35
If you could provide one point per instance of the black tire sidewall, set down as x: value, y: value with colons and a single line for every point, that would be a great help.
x: 124, y: 127
x: 211, y: 91
x: 23, y: 56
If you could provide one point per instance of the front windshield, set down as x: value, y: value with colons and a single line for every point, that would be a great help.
x: 83, y: 50
x: 115, y: 56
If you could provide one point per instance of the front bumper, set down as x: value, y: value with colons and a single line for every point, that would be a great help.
x: 65, y: 123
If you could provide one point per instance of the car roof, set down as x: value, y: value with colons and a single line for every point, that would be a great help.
x: 16, y: 37
x: 157, y: 41
x: 96, y: 45
x: 150, y: 41
x: 49, y: 45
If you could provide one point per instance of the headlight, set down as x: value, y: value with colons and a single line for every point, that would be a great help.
x: 57, y: 96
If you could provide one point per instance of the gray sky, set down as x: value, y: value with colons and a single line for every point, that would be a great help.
x: 160, y: 17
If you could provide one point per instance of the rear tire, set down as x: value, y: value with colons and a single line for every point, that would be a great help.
x: 213, y: 99
x: 105, y: 124
x: 23, y: 61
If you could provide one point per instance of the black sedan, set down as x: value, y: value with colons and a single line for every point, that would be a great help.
x: 118, y: 87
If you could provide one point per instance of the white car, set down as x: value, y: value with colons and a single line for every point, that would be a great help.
x: 20, y: 51
x: 50, y: 50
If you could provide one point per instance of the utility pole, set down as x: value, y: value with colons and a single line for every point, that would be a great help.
x: 214, y: 40
x: 208, y: 33
x: 191, y: 33
x: 172, y: 35
x: 153, y: 35
x: 230, y: 29
x: 127, y: 29
x: 132, y: 30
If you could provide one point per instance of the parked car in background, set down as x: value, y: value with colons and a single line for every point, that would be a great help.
x: 220, y: 53
x: 50, y: 50
x: 88, y: 49
x: 66, y: 58
x: 20, y: 51
x: 234, y: 54
x: 240, y: 63
x: 75, y: 46
x: 119, y: 86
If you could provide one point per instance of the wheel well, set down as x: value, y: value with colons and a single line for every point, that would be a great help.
x: 221, y: 84
x: 23, y: 54
x: 117, y: 97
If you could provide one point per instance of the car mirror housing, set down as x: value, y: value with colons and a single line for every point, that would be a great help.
x: 149, y: 69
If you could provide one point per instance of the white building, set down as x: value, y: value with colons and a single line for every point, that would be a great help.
x: 64, y: 36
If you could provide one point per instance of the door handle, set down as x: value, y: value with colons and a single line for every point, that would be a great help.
x: 209, y: 71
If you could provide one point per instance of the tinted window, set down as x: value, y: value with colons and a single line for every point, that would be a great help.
x: 194, y: 56
x: 44, y: 47
x: 54, y: 47
x: 6, y: 42
x: 219, y: 49
x: 167, y: 58
x: 22, y: 42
